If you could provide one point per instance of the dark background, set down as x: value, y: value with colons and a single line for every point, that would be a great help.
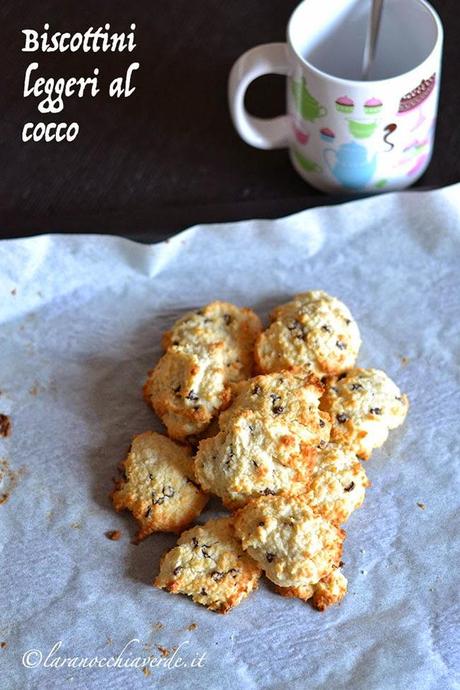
x: 168, y: 156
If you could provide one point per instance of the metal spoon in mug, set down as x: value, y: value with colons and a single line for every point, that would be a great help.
x: 372, y: 37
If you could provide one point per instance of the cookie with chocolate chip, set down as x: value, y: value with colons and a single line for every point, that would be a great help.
x: 207, y: 350
x: 315, y: 331
x: 330, y: 590
x: 294, y: 546
x: 364, y: 404
x: 158, y: 485
x: 209, y: 565
x: 338, y: 484
x: 268, y: 441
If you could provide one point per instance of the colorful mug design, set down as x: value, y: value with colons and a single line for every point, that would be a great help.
x: 344, y: 104
x: 412, y: 102
x: 350, y: 165
x: 301, y: 135
x: 389, y: 129
x: 309, y: 108
x: 306, y: 163
x: 327, y: 134
x: 361, y: 129
x: 373, y: 106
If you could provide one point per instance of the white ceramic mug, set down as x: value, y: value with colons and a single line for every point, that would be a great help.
x: 343, y: 133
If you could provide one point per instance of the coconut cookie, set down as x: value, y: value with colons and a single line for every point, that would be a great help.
x: 315, y: 331
x: 338, y: 484
x: 268, y: 440
x: 364, y: 405
x: 206, y: 351
x: 294, y: 546
x: 209, y: 565
x: 158, y: 485
x: 330, y: 590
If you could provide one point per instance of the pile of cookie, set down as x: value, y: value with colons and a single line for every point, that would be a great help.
x: 281, y: 449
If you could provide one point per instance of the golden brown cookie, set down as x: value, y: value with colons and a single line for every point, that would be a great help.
x: 338, y: 484
x: 206, y: 351
x: 330, y: 590
x: 364, y: 404
x: 209, y: 565
x: 314, y: 331
x: 293, y: 545
x: 268, y: 440
x: 158, y: 485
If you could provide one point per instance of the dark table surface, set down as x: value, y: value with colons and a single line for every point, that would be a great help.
x: 167, y: 157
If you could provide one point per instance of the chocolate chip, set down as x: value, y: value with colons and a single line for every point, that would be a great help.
x: 205, y: 553
x: 150, y: 476
x: 270, y: 557
x: 228, y: 319
x: 192, y: 396
x: 398, y: 398
x: 256, y: 390
x: 200, y: 312
x: 195, y: 542
x: 356, y: 387
x: 177, y: 570
x: 296, y: 328
x: 159, y: 501
x: 342, y: 376
x: 168, y: 491
x: 278, y: 409
x: 268, y: 492
x: 147, y: 512
x: 217, y: 576
x: 321, y: 423
x: 255, y: 464
x: 375, y: 410
x: 348, y: 321
x: 341, y: 418
x: 326, y: 328
x: 176, y: 390
x: 341, y: 345
x: 203, y: 592
x: 175, y: 342
x: 350, y: 487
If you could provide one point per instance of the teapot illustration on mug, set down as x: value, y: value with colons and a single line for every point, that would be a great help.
x: 350, y: 165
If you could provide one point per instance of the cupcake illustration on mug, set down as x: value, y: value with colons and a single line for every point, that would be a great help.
x: 373, y: 106
x: 326, y: 134
x: 344, y: 104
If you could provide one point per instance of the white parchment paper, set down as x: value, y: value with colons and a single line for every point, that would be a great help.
x: 80, y: 323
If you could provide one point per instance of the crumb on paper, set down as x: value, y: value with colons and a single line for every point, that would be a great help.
x: 75, y: 525
x: 421, y: 505
x: 164, y: 651
x: 109, y: 640
x: 5, y: 425
x: 146, y: 671
x: 404, y: 361
x: 13, y: 291
x: 8, y: 479
x: 192, y: 626
x: 3, y: 645
x: 113, y: 534
x: 157, y: 626
x: 363, y: 572
x: 33, y: 390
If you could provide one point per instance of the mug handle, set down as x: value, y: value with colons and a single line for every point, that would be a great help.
x: 270, y: 58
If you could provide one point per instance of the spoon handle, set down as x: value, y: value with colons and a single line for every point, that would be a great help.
x: 372, y: 36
